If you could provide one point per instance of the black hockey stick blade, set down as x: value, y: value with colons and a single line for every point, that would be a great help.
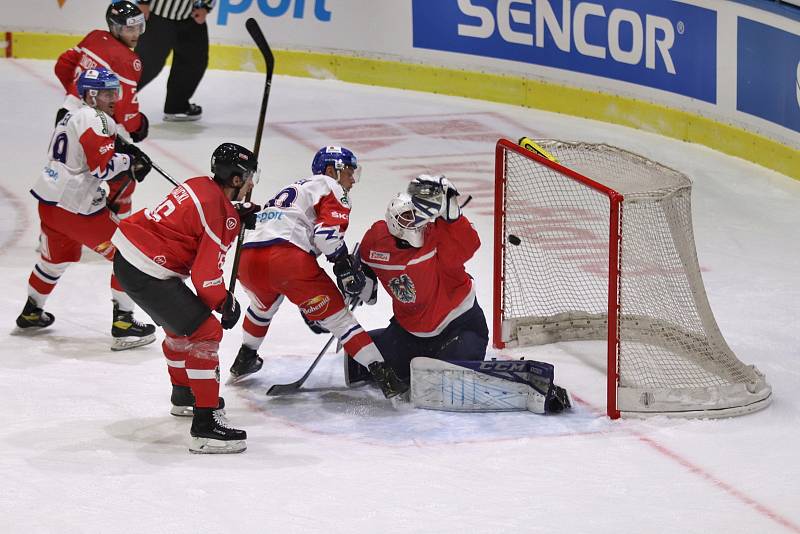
x: 283, y: 389
x: 261, y: 42
x: 293, y: 387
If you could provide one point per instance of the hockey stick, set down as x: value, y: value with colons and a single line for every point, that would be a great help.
x: 282, y: 389
x: 261, y: 42
x: 153, y: 164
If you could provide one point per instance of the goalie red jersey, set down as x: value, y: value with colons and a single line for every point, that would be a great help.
x: 100, y: 49
x: 429, y: 285
x: 190, y: 232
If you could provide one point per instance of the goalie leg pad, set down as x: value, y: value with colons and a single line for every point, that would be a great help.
x: 488, y: 386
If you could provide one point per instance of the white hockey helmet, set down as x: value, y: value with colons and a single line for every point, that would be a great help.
x: 404, y: 222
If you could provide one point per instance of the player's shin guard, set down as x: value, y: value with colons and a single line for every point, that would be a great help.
x: 202, y: 369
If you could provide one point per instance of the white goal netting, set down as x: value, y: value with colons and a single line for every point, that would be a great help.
x: 558, y: 266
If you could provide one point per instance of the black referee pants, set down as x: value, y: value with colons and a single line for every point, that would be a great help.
x: 188, y: 42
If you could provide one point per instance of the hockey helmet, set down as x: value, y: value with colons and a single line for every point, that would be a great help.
x: 230, y: 159
x: 125, y: 14
x: 99, y: 79
x: 405, y: 222
x: 337, y: 156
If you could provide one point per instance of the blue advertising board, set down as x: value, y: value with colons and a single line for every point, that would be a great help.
x: 768, y: 73
x: 662, y: 44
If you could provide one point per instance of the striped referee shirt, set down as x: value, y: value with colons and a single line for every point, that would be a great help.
x: 176, y: 9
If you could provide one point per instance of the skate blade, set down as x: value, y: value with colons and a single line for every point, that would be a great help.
x: 125, y: 343
x: 216, y: 446
x: 181, y: 411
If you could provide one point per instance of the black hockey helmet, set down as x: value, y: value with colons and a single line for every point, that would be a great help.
x: 124, y: 13
x: 230, y: 159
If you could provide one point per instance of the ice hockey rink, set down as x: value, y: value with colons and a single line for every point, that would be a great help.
x: 87, y: 443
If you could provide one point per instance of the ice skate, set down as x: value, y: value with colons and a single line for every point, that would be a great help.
x: 354, y: 372
x: 33, y: 316
x: 194, y: 113
x: 128, y: 332
x: 182, y: 400
x: 247, y: 362
x: 387, y: 379
x: 211, y: 434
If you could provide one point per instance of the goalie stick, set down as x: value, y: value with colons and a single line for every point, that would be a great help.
x: 261, y: 42
x: 282, y: 389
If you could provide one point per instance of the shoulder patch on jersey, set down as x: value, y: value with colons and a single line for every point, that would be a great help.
x: 379, y: 256
x: 137, y: 64
x: 230, y: 223
x: 345, y: 200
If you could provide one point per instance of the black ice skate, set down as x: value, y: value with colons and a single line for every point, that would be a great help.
x: 212, y: 435
x: 354, y: 372
x: 33, y: 316
x: 128, y: 332
x: 194, y: 113
x: 387, y: 379
x: 182, y: 400
x: 246, y: 363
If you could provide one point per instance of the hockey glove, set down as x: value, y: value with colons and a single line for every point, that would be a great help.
x: 140, y: 162
x: 314, y: 326
x: 247, y: 213
x: 230, y: 312
x: 144, y: 129
x: 434, y: 196
x: 349, y: 276
x: 451, y: 211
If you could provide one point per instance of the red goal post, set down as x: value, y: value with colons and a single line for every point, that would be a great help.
x: 575, y: 254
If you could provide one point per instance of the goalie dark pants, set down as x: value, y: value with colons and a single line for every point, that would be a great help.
x: 188, y: 42
x: 466, y: 338
x: 193, y: 334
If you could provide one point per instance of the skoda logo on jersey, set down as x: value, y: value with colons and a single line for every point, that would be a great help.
x: 403, y: 288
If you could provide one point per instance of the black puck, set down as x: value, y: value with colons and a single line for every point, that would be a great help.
x: 514, y: 240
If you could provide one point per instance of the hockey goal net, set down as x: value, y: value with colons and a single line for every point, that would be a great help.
x: 604, y: 237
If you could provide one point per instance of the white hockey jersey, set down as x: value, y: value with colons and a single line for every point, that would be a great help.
x: 81, y: 157
x: 312, y: 214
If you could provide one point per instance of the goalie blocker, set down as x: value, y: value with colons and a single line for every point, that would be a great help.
x: 486, y: 386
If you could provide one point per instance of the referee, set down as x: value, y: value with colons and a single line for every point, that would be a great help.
x: 177, y: 26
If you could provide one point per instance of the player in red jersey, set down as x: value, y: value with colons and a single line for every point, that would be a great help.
x: 71, y: 192
x: 279, y: 259
x: 188, y: 235
x: 112, y: 49
x: 418, y: 253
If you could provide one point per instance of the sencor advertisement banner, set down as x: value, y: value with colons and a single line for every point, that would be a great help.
x: 665, y: 45
x: 768, y: 73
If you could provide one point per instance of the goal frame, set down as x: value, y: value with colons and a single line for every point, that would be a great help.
x: 614, y: 241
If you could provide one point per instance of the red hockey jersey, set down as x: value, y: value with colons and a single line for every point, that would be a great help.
x: 189, y: 233
x: 429, y: 286
x: 100, y: 48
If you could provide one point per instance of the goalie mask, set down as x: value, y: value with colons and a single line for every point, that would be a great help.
x: 404, y: 221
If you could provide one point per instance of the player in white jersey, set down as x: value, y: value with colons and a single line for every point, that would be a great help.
x: 72, y: 203
x: 304, y: 220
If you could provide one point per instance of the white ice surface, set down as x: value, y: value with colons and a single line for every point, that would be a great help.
x: 87, y: 443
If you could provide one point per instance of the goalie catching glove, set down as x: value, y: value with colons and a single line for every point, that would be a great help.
x: 435, y: 196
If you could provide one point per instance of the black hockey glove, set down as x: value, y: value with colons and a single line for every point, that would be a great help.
x: 230, y: 312
x: 140, y: 162
x: 349, y: 277
x: 247, y: 213
x: 144, y: 129
x: 314, y: 326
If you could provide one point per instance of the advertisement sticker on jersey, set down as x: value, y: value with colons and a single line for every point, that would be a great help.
x: 768, y: 73
x: 664, y: 45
